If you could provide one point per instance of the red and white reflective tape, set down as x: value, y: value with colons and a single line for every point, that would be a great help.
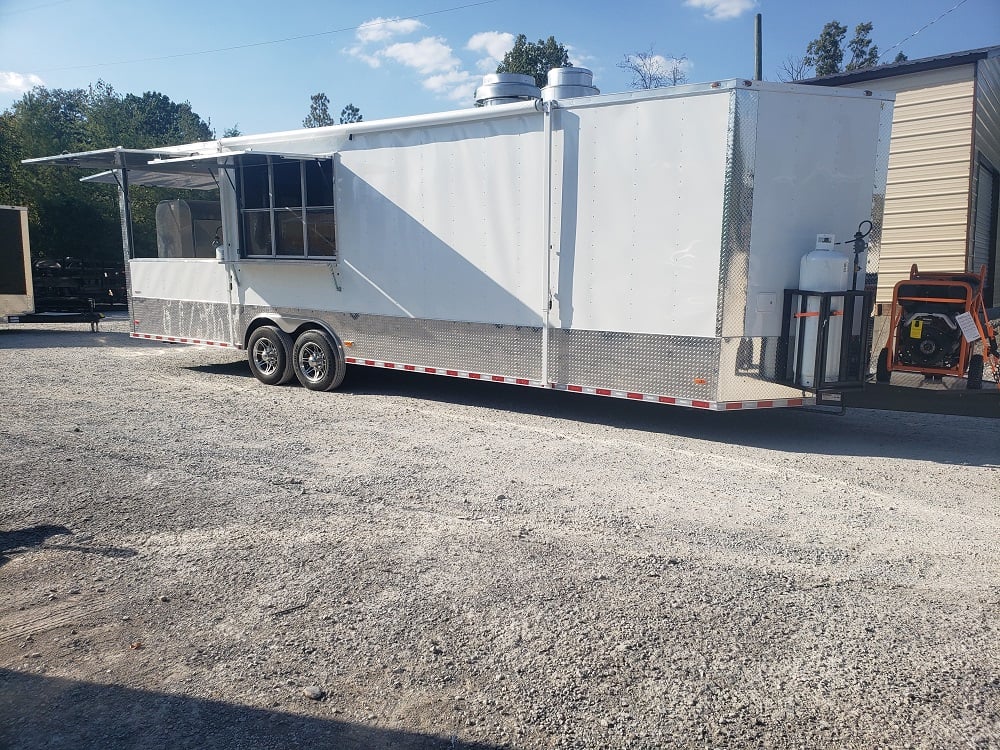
x: 178, y: 340
x: 445, y: 371
x: 693, y: 403
x: 608, y: 392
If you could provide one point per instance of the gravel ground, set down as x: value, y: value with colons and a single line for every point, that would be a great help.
x: 189, y: 559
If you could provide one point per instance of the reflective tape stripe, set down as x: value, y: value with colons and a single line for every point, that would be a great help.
x: 594, y: 391
x: 179, y: 340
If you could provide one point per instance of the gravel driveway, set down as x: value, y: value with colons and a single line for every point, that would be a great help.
x: 190, y: 559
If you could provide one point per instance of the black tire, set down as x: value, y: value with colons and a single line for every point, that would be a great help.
x: 974, y: 381
x: 269, y: 353
x: 882, y: 373
x: 318, y: 361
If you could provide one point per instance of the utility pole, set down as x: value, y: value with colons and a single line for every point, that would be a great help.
x: 757, y: 51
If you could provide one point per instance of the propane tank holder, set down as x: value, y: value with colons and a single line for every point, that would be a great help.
x: 807, y: 353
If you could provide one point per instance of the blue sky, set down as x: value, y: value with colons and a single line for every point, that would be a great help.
x: 394, y: 58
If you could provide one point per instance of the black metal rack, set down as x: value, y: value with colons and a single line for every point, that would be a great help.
x: 852, y: 315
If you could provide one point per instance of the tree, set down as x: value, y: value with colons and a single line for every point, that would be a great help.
x: 349, y: 114
x: 793, y: 69
x: 651, y: 71
x: 69, y: 218
x: 534, y: 58
x: 232, y: 132
x: 319, y: 112
x: 826, y: 53
x: 864, y: 52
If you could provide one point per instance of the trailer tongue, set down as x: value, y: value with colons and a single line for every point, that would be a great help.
x: 645, y: 246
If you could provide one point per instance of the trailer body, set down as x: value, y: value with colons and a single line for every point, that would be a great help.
x: 635, y: 245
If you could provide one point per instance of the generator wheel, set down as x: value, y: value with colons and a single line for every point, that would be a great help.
x: 269, y: 353
x: 882, y: 373
x: 317, y: 361
x: 975, y: 376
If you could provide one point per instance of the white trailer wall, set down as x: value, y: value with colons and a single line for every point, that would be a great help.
x: 638, y: 190
x: 443, y: 223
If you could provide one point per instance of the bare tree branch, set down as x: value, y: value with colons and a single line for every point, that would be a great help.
x: 650, y: 70
x: 793, y: 69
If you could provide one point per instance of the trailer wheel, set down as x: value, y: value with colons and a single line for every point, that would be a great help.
x: 882, y: 373
x: 975, y: 377
x: 269, y: 353
x: 317, y: 361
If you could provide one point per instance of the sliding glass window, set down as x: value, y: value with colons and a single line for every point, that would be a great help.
x: 286, y: 207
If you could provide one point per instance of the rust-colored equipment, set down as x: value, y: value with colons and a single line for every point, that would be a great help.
x: 937, y: 323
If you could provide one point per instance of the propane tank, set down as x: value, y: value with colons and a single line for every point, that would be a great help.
x: 823, y: 270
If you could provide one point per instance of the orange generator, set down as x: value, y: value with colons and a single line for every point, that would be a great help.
x: 937, y: 323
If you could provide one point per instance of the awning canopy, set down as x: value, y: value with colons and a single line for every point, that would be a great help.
x: 106, y: 158
x: 162, y: 168
x: 179, y: 181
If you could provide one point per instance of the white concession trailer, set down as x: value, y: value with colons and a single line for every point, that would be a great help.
x: 644, y: 245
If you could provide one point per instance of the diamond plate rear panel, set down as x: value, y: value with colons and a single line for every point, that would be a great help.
x: 745, y: 367
x: 182, y: 319
x: 646, y: 363
x: 737, y: 213
x: 878, y: 193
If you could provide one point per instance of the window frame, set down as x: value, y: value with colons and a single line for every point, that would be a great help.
x: 309, y: 214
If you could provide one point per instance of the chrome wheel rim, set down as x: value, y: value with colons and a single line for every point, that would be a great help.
x: 313, y: 362
x: 265, y: 356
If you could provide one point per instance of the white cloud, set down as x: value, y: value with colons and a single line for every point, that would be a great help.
x: 496, y: 44
x: 457, y: 85
x: 18, y: 83
x: 439, y: 67
x: 384, y: 29
x: 720, y: 10
x: 430, y: 55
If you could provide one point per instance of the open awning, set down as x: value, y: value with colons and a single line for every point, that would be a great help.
x: 106, y: 158
x: 179, y: 181
x: 163, y: 168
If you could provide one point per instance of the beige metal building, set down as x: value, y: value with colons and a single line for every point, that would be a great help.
x: 944, y: 156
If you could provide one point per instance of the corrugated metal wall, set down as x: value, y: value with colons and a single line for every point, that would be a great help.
x: 987, y: 144
x: 927, y: 195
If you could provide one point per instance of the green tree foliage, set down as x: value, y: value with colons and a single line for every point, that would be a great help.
x: 534, y: 58
x: 825, y: 54
x: 864, y: 52
x: 349, y: 114
x: 69, y: 218
x: 319, y: 112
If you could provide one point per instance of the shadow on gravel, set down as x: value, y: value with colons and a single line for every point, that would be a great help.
x: 39, y: 711
x: 22, y: 540
x: 45, y: 338
x: 862, y: 432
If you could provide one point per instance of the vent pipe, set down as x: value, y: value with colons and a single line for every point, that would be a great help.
x: 505, y: 88
x: 566, y: 83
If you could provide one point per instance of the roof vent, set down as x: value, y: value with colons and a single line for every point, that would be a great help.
x: 504, y: 88
x: 566, y: 83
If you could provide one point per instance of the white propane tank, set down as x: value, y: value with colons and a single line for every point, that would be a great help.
x: 823, y: 270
